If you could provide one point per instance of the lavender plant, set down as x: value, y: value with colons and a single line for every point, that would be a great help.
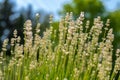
x: 78, y: 54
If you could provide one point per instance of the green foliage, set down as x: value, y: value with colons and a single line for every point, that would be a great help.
x: 115, y: 16
x: 92, y: 8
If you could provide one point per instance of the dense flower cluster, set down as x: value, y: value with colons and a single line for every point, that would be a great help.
x: 74, y: 51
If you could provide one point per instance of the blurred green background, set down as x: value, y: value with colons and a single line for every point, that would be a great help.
x: 13, y: 14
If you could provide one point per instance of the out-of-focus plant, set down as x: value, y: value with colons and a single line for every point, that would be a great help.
x: 114, y: 16
x: 92, y: 8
